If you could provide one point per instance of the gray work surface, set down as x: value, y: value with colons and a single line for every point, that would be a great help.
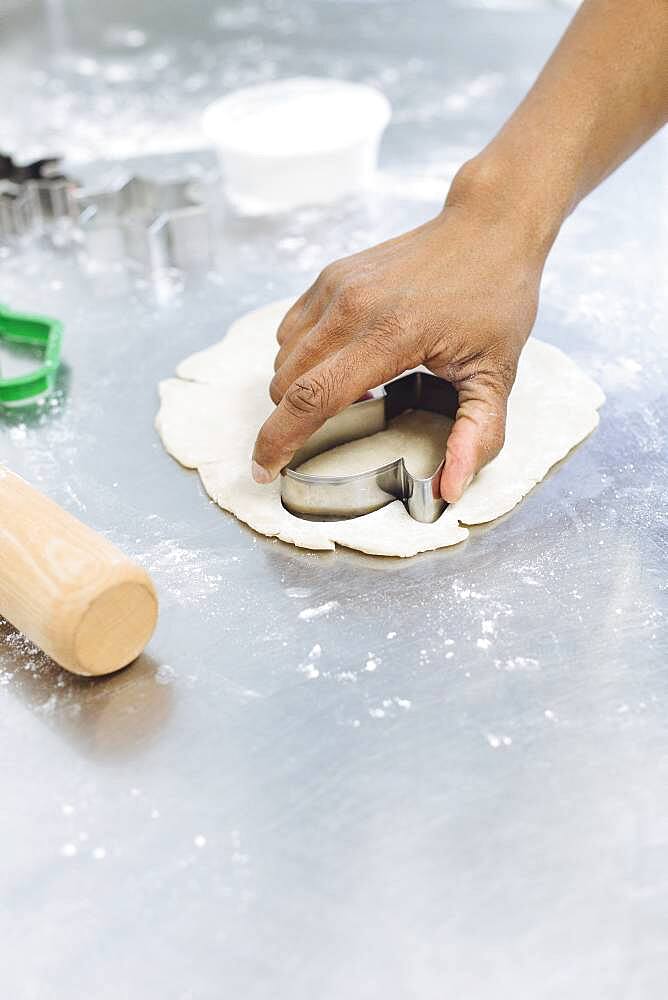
x: 465, y: 795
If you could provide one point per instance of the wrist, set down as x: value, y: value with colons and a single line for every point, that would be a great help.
x: 508, y: 194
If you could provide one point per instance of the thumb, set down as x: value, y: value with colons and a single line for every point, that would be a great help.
x: 478, y: 433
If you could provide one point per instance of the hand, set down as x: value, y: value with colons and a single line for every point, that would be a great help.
x: 459, y: 295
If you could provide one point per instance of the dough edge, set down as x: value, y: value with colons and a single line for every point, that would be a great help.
x: 206, y: 376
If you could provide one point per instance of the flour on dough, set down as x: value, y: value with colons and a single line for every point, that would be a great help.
x: 209, y: 416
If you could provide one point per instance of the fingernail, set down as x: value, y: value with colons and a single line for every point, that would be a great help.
x: 260, y: 474
x: 467, y: 483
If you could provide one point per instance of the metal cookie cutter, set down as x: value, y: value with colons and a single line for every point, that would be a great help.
x: 334, y: 498
x: 155, y: 224
x: 32, y: 331
x: 52, y: 189
x: 19, y: 211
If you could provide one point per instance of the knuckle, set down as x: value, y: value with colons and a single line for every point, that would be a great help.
x: 329, y: 278
x: 350, y: 298
x: 287, y: 324
x: 283, y: 331
x: 294, y: 317
x: 506, y: 370
x: 494, y: 375
x: 281, y: 356
x: 308, y: 395
x: 276, y: 389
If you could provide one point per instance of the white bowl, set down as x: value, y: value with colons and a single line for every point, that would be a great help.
x: 296, y: 142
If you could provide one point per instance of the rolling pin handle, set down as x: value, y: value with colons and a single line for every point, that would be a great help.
x: 68, y: 589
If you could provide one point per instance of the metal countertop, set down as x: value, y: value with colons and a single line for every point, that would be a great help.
x: 464, y: 794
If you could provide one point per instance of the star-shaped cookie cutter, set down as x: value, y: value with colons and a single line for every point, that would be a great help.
x: 155, y: 224
x: 335, y: 498
x: 32, y: 331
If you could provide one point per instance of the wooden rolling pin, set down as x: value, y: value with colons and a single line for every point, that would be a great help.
x: 68, y: 589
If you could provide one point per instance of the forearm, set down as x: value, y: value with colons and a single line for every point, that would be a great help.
x: 601, y: 95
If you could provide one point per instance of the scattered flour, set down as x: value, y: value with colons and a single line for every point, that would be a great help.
x: 308, y: 668
x: 526, y: 663
x: 498, y: 741
x: 308, y: 614
x: 165, y: 674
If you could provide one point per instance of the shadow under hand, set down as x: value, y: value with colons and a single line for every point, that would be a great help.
x: 105, y: 718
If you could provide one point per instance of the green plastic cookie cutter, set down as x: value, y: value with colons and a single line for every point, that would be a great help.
x: 31, y: 331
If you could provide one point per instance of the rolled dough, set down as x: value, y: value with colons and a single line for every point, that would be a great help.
x: 417, y: 436
x: 209, y: 416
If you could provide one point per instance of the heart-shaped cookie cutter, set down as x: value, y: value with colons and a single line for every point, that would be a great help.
x: 335, y: 498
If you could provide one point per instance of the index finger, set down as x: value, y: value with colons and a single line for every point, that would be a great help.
x: 315, y: 396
